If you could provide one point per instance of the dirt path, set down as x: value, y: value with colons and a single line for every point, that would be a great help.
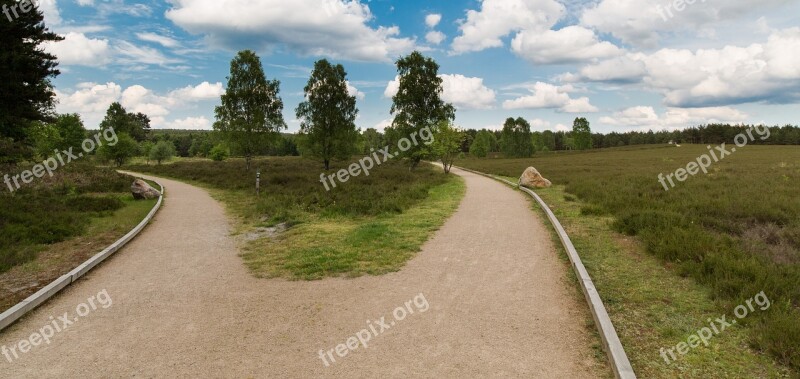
x: 184, y: 305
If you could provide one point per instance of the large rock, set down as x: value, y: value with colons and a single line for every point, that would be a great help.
x: 141, y: 190
x: 531, y: 178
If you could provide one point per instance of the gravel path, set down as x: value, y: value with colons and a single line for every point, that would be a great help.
x: 496, y: 303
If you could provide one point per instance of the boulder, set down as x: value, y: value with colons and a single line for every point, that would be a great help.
x: 142, y: 191
x: 531, y: 178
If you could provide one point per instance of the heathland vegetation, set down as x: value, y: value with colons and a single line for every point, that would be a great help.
x: 734, y: 231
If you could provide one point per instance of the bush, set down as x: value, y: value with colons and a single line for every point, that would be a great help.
x: 219, y: 153
x: 162, y: 151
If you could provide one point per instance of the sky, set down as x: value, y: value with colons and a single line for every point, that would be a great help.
x: 622, y: 64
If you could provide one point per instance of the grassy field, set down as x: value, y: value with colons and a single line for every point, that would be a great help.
x: 48, y: 229
x: 297, y: 230
x: 731, y: 234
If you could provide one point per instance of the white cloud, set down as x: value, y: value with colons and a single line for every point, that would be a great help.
x: 567, y: 45
x: 353, y: 91
x: 621, y: 69
x: 467, y: 93
x: 432, y: 20
x: 337, y: 29
x: 91, y: 100
x: 762, y: 72
x: 77, y: 49
x: 461, y: 91
x: 392, y: 88
x: 138, y: 99
x: 49, y: 8
x: 498, y: 18
x: 132, y: 54
x: 435, y: 37
x: 644, y: 22
x: 645, y: 117
x: 383, y: 124
x: 202, y: 91
x: 548, y: 96
x: 159, y: 39
x: 190, y: 123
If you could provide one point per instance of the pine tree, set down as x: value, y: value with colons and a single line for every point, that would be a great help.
x: 26, y: 71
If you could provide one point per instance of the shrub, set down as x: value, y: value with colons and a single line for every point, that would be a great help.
x: 219, y: 153
x: 162, y: 151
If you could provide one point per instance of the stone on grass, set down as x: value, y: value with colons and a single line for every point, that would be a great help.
x: 142, y: 191
x: 531, y: 178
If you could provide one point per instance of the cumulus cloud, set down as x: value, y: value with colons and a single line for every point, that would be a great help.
x: 645, y: 117
x: 644, y: 22
x: 432, y: 20
x: 337, y: 29
x: 435, y: 37
x: 461, y: 91
x: 548, y: 96
x: 202, y: 91
x: 498, y: 18
x: 567, y: 45
x: 353, y: 91
x: 77, y: 49
x: 91, y: 100
x: 762, y: 72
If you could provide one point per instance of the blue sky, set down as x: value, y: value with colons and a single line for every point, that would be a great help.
x: 623, y: 64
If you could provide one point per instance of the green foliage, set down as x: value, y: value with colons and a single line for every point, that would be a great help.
x: 483, y: 144
x: 418, y: 104
x: 582, y: 134
x: 516, y: 138
x: 162, y: 151
x: 26, y: 74
x: 219, y: 153
x: 446, y: 146
x: 719, y: 229
x: 372, y: 140
x: 327, y: 116
x: 291, y: 188
x: 125, y: 149
x: 251, y: 113
x: 67, y: 131
x: 55, y: 209
x: 135, y: 125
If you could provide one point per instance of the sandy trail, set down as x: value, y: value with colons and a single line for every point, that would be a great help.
x: 185, y: 306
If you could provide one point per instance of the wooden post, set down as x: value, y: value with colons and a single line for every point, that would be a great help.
x: 258, y: 182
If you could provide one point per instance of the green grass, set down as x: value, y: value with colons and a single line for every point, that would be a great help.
x: 367, y: 226
x: 713, y: 242
x: 67, y: 203
x: 55, y: 209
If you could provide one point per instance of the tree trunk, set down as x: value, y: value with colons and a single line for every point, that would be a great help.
x: 327, y: 164
x: 247, y: 160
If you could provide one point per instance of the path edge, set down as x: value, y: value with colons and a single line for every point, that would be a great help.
x: 611, y: 343
x: 22, y: 308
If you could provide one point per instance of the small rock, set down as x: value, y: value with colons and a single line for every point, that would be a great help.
x: 531, y: 178
x: 142, y: 191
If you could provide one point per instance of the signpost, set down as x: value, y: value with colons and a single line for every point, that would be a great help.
x: 258, y: 182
